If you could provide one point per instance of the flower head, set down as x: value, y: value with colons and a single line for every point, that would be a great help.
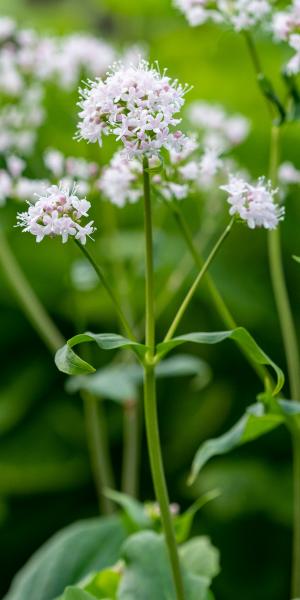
x: 136, y: 104
x: 254, y: 204
x: 57, y: 213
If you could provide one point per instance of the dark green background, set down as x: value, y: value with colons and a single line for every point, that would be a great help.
x: 45, y: 480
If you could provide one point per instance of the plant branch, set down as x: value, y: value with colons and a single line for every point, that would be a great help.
x: 103, y: 279
x: 197, y: 281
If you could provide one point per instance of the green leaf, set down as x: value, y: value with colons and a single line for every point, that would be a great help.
x: 199, y: 556
x: 183, y: 523
x: 147, y: 574
x: 75, y: 593
x: 253, y: 424
x: 105, y: 584
x: 111, y: 383
x: 121, y: 382
x: 296, y: 258
x: 68, y: 557
x: 68, y: 362
x: 239, y: 335
x: 134, y: 510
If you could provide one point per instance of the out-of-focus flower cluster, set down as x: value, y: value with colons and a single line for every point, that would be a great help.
x: 69, y: 169
x: 239, y: 14
x: 218, y: 128
x: 29, y: 61
x: 58, y: 213
x: 286, y: 27
x: 253, y: 203
x: 139, y: 105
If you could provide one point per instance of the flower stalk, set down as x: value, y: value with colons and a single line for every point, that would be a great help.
x: 150, y: 401
x: 218, y: 301
x: 193, y: 288
x: 103, y: 279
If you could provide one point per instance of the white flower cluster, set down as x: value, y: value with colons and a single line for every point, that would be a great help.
x: 239, y: 14
x: 58, y: 213
x: 28, y: 61
x: 24, y: 53
x: 181, y: 172
x: 286, y: 27
x: 121, y: 180
x: 136, y: 104
x: 219, y: 129
x: 254, y: 204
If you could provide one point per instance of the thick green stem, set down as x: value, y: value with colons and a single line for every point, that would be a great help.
x: 102, y: 277
x: 151, y: 419
x: 149, y: 290
x: 131, y: 445
x: 53, y: 339
x: 158, y: 476
x: 196, y: 283
x: 98, y: 448
x: 219, y: 303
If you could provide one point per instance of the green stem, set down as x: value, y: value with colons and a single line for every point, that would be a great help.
x: 131, y: 437
x: 197, y: 281
x: 102, y: 277
x: 149, y: 290
x: 290, y: 343
x: 287, y: 324
x: 158, y: 476
x: 219, y: 303
x: 151, y: 418
x: 98, y: 448
x: 296, y: 532
x: 53, y: 339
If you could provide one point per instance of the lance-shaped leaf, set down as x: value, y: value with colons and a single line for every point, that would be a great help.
x: 253, y: 424
x: 121, y: 382
x: 297, y: 258
x: 240, y: 335
x: 68, y: 362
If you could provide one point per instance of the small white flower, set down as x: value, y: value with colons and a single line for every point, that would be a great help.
x: 121, y: 180
x: 254, y: 204
x: 58, y: 213
x: 288, y: 174
x: 15, y: 165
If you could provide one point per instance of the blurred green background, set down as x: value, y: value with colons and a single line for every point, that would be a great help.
x: 45, y: 479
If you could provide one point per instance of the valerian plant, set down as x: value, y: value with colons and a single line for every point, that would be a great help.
x: 146, y: 551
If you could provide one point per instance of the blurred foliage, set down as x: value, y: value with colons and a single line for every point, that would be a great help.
x: 45, y: 479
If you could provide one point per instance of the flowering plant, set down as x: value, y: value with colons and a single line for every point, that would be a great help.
x: 163, y: 158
